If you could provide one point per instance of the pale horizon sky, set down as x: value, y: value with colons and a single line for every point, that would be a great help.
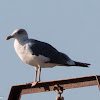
x: 71, y: 26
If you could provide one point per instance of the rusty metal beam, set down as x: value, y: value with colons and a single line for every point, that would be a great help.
x: 18, y: 90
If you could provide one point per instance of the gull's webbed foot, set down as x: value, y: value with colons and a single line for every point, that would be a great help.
x: 34, y: 84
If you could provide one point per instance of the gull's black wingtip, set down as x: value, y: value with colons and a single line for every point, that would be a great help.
x: 82, y: 64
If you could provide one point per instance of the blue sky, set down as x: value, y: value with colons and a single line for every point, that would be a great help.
x: 71, y: 26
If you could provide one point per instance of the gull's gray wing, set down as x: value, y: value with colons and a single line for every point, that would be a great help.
x: 41, y: 48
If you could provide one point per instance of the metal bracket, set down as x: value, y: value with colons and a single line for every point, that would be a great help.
x: 58, y: 89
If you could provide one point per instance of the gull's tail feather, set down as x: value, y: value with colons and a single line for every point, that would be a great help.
x: 81, y: 64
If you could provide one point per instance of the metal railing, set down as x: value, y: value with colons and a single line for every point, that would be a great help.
x: 57, y: 85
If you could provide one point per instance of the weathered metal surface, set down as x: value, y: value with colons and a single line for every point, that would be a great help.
x: 98, y: 81
x: 18, y: 90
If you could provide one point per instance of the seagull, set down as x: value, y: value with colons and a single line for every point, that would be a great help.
x: 39, y: 54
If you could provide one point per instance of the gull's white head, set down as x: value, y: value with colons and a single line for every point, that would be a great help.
x: 18, y: 34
